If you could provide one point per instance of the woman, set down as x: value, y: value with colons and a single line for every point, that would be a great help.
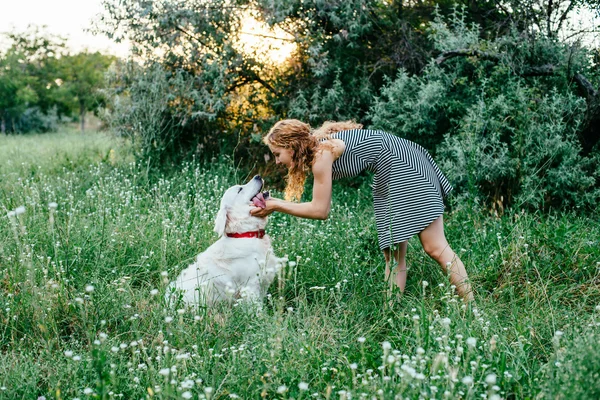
x: 408, y: 188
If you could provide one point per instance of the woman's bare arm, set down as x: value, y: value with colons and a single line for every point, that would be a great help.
x: 320, y: 205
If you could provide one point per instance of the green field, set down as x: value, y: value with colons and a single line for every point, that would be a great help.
x: 82, y: 282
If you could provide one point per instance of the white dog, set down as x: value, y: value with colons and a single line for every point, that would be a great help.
x: 241, y: 264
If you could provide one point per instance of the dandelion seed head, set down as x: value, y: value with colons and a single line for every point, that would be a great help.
x: 490, y: 379
x: 303, y: 386
x: 467, y: 380
x: 89, y: 288
x: 282, y: 389
x: 52, y: 205
x: 361, y: 339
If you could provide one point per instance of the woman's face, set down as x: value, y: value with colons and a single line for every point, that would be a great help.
x: 282, y: 155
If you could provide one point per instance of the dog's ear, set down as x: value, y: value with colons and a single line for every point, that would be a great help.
x: 221, y: 221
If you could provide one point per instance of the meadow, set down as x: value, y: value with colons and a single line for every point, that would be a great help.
x: 89, y: 241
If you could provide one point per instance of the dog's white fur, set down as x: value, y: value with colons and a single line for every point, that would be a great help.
x: 231, y: 268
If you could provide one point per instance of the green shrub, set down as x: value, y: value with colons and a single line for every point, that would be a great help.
x: 509, y: 123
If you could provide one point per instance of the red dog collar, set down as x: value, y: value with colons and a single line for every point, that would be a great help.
x: 253, y: 234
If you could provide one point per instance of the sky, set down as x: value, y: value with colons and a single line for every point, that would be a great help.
x: 67, y: 18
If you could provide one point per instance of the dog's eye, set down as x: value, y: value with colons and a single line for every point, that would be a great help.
x: 240, y: 190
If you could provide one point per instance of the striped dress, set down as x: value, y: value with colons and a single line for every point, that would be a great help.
x: 408, y: 188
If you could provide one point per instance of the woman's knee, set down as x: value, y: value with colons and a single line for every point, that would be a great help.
x: 437, y: 250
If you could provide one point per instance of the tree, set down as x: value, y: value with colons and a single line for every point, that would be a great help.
x: 26, y: 71
x: 16, y: 91
x: 81, y: 76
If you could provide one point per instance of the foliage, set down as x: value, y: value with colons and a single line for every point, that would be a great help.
x: 81, y: 76
x: 82, y: 312
x: 344, y: 52
x: 505, y: 129
x: 499, y: 84
x: 41, y: 84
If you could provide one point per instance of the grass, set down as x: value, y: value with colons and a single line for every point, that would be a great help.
x: 82, y: 312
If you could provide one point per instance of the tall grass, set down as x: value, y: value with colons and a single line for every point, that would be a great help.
x: 88, y: 245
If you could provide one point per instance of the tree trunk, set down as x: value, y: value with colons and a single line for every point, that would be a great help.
x: 3, y: 126
x: 82, y: 115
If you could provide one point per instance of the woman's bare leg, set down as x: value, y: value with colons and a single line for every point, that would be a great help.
x: 399, y: 271
x: 436, y: 246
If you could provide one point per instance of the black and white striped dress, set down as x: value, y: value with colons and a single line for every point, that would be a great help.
x: 408, y: 188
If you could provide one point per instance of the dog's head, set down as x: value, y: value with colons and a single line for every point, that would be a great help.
x: 236, y: 203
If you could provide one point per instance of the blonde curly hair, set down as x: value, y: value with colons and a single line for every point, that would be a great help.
x: 299, y: 137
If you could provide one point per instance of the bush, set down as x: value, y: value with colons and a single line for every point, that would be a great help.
x: 33, y: 119
x: 521, y: 149
x: 160, y: 111
x: 503, y: 124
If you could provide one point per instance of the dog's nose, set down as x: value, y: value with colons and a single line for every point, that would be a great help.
x: 257, y: 177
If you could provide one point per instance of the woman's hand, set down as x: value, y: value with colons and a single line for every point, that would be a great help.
x: 269, y: 208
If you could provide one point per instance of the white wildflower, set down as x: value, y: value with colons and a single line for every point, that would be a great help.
x: 282, y: 389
